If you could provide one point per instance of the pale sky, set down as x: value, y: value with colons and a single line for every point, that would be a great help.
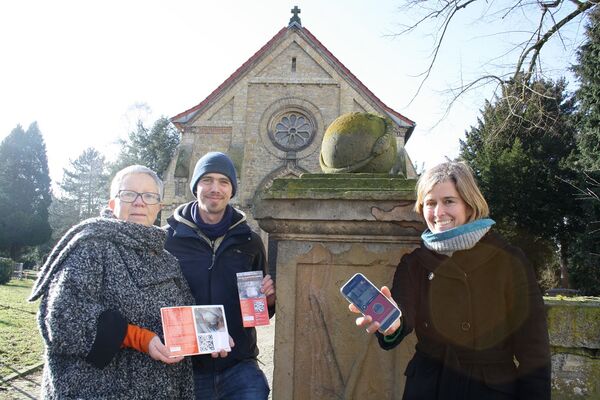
x: 79, y: 68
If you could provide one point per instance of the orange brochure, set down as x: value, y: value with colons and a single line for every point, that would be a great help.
x: 253, y: 303
x: 190, y: 330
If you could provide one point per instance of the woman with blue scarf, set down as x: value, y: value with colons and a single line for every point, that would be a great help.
x: 471, y: 298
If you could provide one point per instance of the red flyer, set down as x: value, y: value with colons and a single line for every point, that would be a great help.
x: 190, y: 330
x: 252, y: 302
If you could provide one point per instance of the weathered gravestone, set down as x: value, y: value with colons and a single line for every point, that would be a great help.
x: 322, y: 229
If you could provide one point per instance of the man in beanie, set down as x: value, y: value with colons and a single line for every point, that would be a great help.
x: 213, y: 242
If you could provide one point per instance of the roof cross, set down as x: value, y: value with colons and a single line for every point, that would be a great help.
x: 295, y: 18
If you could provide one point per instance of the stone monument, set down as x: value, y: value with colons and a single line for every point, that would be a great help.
x: 322, y: 229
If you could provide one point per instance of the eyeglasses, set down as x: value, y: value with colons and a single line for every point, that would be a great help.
x: 129, y: 196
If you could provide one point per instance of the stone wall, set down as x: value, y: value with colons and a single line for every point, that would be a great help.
x: 574, y: 329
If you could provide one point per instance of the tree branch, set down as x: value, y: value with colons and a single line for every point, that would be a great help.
x: 527, y: 62
x: 537, y: 46
x: 451, y: 12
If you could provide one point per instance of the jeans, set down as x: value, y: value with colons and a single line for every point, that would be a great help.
x: 243, y: 381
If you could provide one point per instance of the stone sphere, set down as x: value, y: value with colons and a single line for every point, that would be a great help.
x: 358, y: 142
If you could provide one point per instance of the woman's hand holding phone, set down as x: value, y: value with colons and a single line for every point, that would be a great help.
x: 367, y: 323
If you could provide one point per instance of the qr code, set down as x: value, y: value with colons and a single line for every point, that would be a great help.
x: 259, y: 306
x: 207, y: 344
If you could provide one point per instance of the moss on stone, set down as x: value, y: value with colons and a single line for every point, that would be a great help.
x: 574, y: 329
x: 574, y: 322
x: 343, y: 186
x: 359, y: 142
x: 574, y: 376
x: 358, y: 123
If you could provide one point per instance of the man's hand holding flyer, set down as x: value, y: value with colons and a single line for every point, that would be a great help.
x: 190, y: 330
x: 252, y: 302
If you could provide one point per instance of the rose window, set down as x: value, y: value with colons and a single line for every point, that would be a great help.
x: 293, y: 131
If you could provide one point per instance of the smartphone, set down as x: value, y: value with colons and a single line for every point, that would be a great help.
x: 370, y: 301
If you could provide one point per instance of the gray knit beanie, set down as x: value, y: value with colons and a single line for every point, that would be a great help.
x: 214, y: 162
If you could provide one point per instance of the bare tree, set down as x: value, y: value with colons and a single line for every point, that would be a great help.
x: 547, y: 19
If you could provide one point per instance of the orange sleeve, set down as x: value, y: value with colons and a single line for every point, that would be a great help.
x: 138, y: 338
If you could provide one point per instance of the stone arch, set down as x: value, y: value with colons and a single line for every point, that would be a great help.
x: 289, y: 170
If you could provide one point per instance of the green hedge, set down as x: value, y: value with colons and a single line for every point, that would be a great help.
x: 6, y: 270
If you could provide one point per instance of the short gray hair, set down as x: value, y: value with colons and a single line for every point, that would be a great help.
x: 115, y: 185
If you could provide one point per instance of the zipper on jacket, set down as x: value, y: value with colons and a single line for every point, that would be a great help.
x: 210, y: 283
x: 214, y: 254
x: 214, y: 245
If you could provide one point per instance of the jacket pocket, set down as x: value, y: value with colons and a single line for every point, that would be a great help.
x: 238, y: 260
x: 501, y: 378
x: 421, y: 378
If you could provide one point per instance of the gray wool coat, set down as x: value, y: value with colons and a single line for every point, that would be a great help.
x: 102, y: 275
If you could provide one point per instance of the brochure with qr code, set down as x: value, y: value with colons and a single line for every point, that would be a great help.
x: 252, y: 302
x: 190, y: 330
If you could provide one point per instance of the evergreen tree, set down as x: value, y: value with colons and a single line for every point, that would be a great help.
x: 519, y: 152
x: 588, y: 73
x: 63, y: 214
x: 584, y: 254
x: 152, y: 148
x: 85, y: 186
x: 25, y: 194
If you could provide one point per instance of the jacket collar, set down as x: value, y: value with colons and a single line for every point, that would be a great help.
x: 106, y: 228
x: 184, y: 226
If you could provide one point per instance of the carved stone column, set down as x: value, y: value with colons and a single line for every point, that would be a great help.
x: 322, y: 229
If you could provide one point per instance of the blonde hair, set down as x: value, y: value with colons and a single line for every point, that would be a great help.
x: 462, y: 176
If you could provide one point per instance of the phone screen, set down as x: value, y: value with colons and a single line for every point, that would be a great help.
x: 370, y: 301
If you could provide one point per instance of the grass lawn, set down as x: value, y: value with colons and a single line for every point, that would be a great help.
x: 20, y: 341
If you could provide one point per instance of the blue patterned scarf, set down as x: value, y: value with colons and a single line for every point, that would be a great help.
x: 462, y: 237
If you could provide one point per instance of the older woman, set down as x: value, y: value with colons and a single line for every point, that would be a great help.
x: 102, y: 288
x: 472, y: 300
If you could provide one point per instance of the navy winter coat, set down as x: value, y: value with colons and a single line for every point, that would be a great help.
x: 210, y: 268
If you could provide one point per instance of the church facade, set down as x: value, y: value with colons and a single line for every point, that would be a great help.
x: 270, y: 115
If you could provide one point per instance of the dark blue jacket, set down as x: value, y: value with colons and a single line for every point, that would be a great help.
x: 210, y: 268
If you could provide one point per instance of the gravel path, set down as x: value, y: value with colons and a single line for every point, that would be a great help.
x: 266, y: 337
x: 26, y: 387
